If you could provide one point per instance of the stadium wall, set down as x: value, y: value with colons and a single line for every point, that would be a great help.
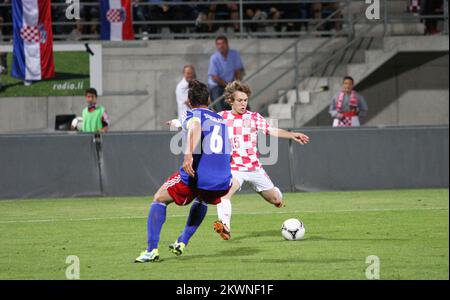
x: 137, y: 163
x: 139, y: 80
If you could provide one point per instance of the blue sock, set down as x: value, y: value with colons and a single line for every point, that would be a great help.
x: 155, y: 221
x: 196, y: 215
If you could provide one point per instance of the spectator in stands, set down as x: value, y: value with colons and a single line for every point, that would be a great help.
x: 95, y: 118
x: 293, y: 13
x: 59, y: 15
x: 262, y: 11
x: 91, y: 13
x: 4, y: 17
x: 77, y: 32
x: 182, y: 89
x: 225, y: 66
x: 140, y: 13
x: 166, y: 12
x: 254, y: 12
x: 198, y: 13
x: 228, y: 11
x: 414, y: 6
x: 305, y: 14
x: 347, y: 106
x: 324, y: 10
x: 290, y: 12
x: 431, y: 8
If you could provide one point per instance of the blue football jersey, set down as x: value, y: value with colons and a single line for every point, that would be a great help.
x: 213, y: 154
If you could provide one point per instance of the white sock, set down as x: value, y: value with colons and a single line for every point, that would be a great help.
x: 224, y: 212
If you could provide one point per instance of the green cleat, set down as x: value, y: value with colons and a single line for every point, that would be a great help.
x: 147, y: 256
x: 177, y: 248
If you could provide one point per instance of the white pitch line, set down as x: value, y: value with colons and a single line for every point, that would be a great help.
x: 237, y: 213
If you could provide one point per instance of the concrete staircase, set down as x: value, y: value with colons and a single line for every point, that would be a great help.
x: 316, y: 90
x: 314, y: 98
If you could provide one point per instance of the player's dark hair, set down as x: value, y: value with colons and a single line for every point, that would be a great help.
x: 222, y: 37
x: 91, y: 91
x: 348, y: 78
x: 236, y: 86
x: 198, y: 93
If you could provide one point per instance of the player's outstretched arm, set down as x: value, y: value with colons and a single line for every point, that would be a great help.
x: 296, y: 136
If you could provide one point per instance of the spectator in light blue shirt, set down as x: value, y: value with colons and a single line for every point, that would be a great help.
x: 225, y: 66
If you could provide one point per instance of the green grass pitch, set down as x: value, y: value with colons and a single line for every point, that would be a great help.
x: 71, y: 69
x: 407, y: 229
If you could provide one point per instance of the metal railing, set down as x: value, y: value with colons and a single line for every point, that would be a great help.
x: 60, y: 23
x: 186, y: 26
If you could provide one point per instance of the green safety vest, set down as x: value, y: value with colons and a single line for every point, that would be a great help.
x: 92, y: 121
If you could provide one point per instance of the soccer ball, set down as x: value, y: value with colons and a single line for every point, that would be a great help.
x: 293, y: 230
x: 77, y: 123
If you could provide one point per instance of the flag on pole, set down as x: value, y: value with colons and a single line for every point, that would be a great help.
x: 32, y: 40
x: 116, y: 20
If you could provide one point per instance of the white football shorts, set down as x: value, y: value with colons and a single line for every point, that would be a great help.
x: 259, y: 179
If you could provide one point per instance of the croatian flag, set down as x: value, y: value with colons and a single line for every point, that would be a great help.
x: 116, y: 20
x: 32, y: 40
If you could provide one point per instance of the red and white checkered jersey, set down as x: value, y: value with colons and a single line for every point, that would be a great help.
x: 243, y: 133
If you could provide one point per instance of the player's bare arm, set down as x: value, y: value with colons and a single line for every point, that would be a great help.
x: 219, y: 81
x: 193, y: 138
x: 238, y: 74
x: 299, y: 137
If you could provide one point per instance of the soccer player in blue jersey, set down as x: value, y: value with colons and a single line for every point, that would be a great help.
x: 205, y: 175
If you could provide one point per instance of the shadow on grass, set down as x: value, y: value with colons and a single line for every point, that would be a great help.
x: 322, y: 238
x: 256, y: 234
x: 228, y: 252
x: 313, y: 238
x: 68, y: 76
x: 239, y: 252
x: 59, y: 76
x: 10, y: 85
x: 296, y: 260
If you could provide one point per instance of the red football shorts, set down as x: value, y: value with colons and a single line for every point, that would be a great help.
x: 183, y: 194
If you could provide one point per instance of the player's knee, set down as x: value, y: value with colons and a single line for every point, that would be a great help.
x: 276, y: 196
x: 158, y: 197
x: 276, y: 199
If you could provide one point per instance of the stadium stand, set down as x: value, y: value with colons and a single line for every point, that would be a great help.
x: 293, y: 73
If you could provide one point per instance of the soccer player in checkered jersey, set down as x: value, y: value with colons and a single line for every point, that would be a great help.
x: 205, y: 175
x: 243, y: 127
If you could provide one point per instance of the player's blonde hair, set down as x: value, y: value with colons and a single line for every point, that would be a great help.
x: 235, y: 86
